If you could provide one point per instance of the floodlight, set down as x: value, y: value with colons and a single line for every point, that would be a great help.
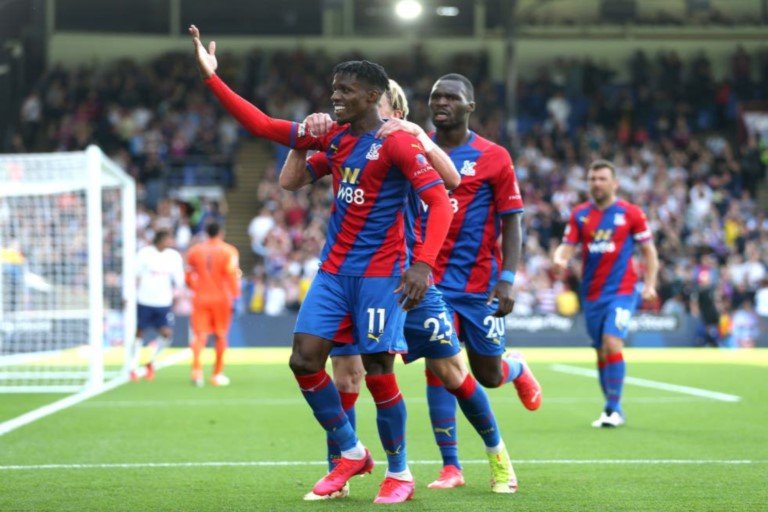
x: 447, y: 10
x: 408, y: 9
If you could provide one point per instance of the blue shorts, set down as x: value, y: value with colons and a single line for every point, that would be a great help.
x: 359, y: 310
x: 151, y: 317
x: 478, y: 329
x: 345, y: 349
x: 429, y: 329
x: 609, y: 315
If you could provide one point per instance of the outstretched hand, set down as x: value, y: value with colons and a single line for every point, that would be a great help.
x: 206, y: 59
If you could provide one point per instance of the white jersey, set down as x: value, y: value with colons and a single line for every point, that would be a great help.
x: 159, y: 274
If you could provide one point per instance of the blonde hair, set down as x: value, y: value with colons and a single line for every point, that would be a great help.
x: 397, y: 99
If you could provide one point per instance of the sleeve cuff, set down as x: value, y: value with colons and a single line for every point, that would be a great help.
x: 510, y: 212
x: 428, y: 185
x: 312, y: 172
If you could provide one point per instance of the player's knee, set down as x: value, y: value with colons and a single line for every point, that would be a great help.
x: 349, y: 382
x: 612, y: 345
x: 450, y: 371
x: 300, y: 364
x: 489, y: 377
x: 348, y: 373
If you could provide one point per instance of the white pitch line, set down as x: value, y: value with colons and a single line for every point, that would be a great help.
x: 270, y: 464
x: 64, y: 403
x: 646, y: 383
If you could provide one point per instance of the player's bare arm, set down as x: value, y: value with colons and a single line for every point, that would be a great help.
x: 436, y: 156
x: 651, y: 258
x: 413, y: 285
x: 511, y: 249
x: 562, y: 256
x: 294, y: 175
x: 206, y: 59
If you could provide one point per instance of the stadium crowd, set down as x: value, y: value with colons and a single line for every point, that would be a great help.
x: 672, y: 129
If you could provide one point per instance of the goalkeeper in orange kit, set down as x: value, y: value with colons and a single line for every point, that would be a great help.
x: 213, y: 274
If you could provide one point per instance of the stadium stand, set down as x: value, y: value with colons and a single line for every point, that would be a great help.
x: 672, y: 128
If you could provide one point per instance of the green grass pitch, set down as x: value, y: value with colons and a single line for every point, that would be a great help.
x: 255, y: 446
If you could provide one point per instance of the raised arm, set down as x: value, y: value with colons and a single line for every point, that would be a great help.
x: 436, y: 156
x: 248, y: 115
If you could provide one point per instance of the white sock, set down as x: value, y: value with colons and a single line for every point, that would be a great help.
x: 135, y: 349
x: 495, y: 449
x: 357, y: 452
x: 162, y: 342
x: 406, y: 475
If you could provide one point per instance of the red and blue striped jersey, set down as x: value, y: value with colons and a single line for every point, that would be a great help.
x: 607, y: 239
x: 415, y: 208
x: 371, y: 177
x: 470, y: 259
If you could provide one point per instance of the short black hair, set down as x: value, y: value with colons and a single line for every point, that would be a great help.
x: 212, y: 229
x: 160, y: 235
x: 370, y: 72
x: 464, y: 80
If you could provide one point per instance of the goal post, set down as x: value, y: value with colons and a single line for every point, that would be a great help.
x: 67, y: 248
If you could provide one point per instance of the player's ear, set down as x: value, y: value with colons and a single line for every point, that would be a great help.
x: 471, y: 106
x: 374, y: 95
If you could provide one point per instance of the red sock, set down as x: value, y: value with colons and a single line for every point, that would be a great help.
x: 466, y: 389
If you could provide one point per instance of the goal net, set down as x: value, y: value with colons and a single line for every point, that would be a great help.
x: 67, y: 245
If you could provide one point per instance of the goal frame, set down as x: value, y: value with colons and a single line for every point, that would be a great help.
x: 100, y: 173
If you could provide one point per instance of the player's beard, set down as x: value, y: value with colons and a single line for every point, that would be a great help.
x: 600, y: 197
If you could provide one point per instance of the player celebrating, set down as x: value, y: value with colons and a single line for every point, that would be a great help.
x: 160, y: 274
x: 213, y: 274
x: 472, y: 273
x: 363, y: 279
x: 607, y: 229
x: 428, y: 328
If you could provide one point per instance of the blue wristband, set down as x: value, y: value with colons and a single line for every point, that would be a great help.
x: 508, y: 276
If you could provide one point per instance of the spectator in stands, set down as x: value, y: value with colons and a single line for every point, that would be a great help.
x: 258, y: 229
x: 677, y: 152
x: 761, y: 308
x: 674, y: 305
x: 746, y: 326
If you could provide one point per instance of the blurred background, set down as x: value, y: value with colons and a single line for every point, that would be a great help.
x: 675, y: 92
